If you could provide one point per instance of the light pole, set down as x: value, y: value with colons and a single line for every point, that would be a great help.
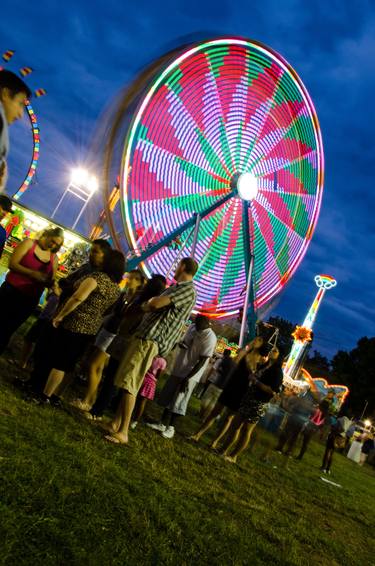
x: 364, y: 410
x: 82, y: 185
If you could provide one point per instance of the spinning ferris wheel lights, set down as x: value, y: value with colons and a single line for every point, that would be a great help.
x: 223, y: 129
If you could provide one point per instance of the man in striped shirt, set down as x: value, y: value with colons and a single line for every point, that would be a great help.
x: 158, y: 333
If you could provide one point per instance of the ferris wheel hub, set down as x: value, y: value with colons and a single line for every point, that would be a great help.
x: 247, y: 186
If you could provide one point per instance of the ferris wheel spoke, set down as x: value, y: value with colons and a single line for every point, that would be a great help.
x: 265, y: 103
x: 214, y: 225
x: 293, y: 151
x: 214, y: 123
x: 191, y: 137
x: 291, y: 207
x: 280, y: 222
x: 217, y: 248
x: 272, y: 166
x: 157, y: 157
x: 220, y: 121
x: 265, y: 250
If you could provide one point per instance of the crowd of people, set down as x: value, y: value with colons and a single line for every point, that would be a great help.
x: 121, y: 340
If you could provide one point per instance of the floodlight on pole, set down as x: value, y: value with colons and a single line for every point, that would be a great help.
x: 82, y: 185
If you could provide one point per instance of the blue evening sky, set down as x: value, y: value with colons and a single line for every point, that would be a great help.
x: 83, y: 53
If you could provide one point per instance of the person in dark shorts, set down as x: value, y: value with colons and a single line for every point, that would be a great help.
x: 80, y: 318
x: 235, y: 389
x: 263, y: 386
x: 217, y: 381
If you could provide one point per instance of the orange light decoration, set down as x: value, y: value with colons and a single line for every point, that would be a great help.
x: 114, y: 197
x: 321, y: 385
x: 302, y: 334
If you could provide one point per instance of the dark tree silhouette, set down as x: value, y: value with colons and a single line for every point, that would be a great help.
x: 356, y: 369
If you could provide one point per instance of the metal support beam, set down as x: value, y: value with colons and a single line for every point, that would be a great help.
x: 134, y: 261
x: 248, y: 305
x: 248, y: 321
x: 195, y: 236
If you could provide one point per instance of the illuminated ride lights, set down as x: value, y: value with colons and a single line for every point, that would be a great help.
x: 321, y: 385
x: 292, y: 366
x: 34, y: 161
x: 227, y: 130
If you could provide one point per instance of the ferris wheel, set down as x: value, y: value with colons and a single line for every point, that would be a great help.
x: 222, y: 159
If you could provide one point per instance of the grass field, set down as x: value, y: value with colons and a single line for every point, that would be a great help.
x: 68, y: 497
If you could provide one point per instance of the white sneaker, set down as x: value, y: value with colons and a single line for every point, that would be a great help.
x: 157, y: 426
x: 168, y: 432
x: 133, y: 425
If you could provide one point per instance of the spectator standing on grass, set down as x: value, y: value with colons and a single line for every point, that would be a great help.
x: 42, y: 323
x: 335, y: 439
x: 5, y: 208
x: 230, y: 399
x: 217, y: 381
x: 263, y: 386
x: 32, y: 268
x: 299, y: 410
x: 310, y: 428
x: 98, y: 251
x: 43, y: 346
x: 157, y: 335
x: 13, y: 96
x: 367, y: 447
x: 105, y: 336
x: 80, y: 317
x: 125, y: 327
x: 195, y: 350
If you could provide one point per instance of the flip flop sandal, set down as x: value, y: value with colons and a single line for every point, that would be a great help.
x: 112, y: 439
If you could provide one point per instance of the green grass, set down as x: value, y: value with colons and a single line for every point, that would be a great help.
x: 68, y: 497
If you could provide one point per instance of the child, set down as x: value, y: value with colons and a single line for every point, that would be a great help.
x: 147, y: 391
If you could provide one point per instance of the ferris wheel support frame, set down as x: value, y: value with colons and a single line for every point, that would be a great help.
x: 248, y: 319
x: 195, y: 235
x: 248, y: 316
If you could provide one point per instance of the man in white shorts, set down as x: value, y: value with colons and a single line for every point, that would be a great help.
x: 196, y: 349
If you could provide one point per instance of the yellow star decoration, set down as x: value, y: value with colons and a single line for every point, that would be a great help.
x: 302, y: 334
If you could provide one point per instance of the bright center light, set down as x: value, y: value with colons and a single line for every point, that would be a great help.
x: 79, y: 176
x: 367, y: 423
x: 247, y: 186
